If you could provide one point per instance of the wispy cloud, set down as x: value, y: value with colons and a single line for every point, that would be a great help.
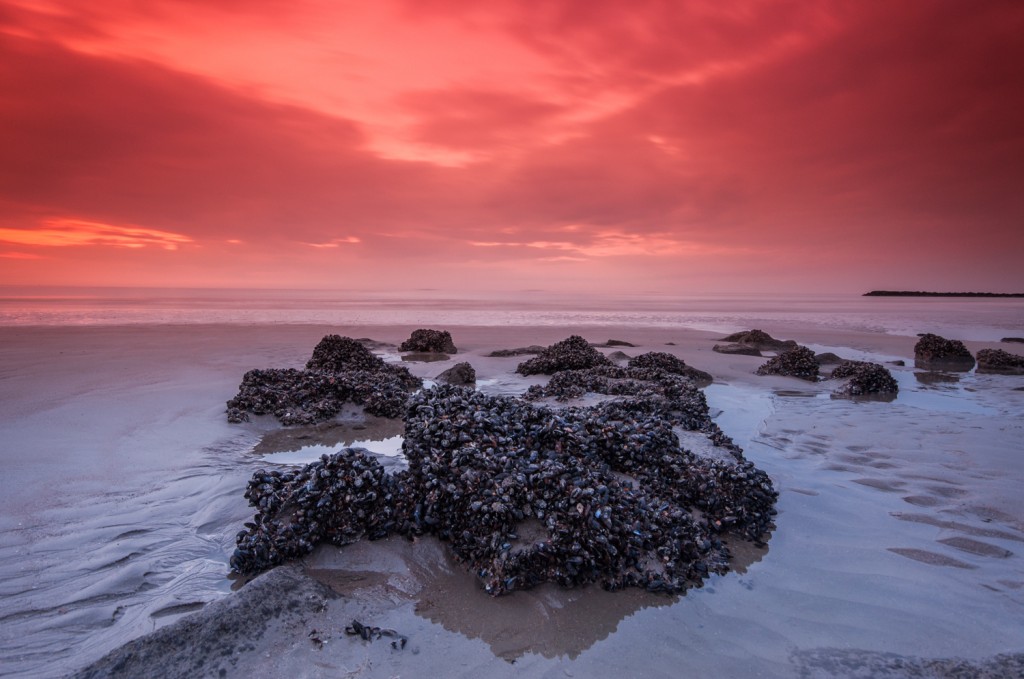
x: 335, y: 242
x: 66, y: 232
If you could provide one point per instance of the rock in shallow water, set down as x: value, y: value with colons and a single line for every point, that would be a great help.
x: 525, y: 494
x: 341, y: 370
x: 865, y: 378
x: 797, y: 362
x: 999, y: 361
x: 460, y: 374
x: 574, y: 353
x: 933, y: 352
x: 435, y: 341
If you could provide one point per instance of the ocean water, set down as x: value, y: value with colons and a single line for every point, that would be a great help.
x: 966, y: 319
x: 122, y: 485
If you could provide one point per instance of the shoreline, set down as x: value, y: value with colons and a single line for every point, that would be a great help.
x: 943, y: 469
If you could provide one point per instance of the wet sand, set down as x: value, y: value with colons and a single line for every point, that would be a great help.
x: 899, y: 535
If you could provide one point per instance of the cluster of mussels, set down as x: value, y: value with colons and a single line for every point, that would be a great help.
x: 429, y: 341
x: 574, y: 353
x: 933, y: 351
x: 999, y: 361
x: 341, y: 370
x: 796, y: 362
x: 525, y: 494
x: 865, y: 378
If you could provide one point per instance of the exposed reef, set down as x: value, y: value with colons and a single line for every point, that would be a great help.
x: 999, y: 361
x: 864, y: 379
x: 933, y: 352
x: 573, y: 353
x: 524, y: 493
x: 759, y: 340
x: 460, y: 374
x: 341, y: 370
x: 796, y: 362
x: 429, y: 341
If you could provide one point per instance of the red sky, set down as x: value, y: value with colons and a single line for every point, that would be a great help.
x: 571, y: 145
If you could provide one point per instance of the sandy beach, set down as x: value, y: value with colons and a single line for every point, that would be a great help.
x: 898, y: 539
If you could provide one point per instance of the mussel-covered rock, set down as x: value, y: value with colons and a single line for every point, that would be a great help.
x: 341, y: 370
x: 864, y: 378
x: 525, y: 494
x: 999, y: 361
x: 933, y: 352
x: 797, y: 362
x: 759, y: 339
x: 660, y: 360
x: 573, y: 353
x: 736, y: 349
x: 518, y: 351
x: 432, y: 341
x: 459, y: 374
x: 339, y: 499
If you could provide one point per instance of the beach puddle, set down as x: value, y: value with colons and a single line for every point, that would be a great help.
x: 387, y: 447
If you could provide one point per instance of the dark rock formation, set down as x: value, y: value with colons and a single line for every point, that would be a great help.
x: 209, y: 643
x: 865, y: 378
x: 619, y: 356
x: 659, y: 360
x: 737, y: 349
x: 341, y: 370
x: 435, y: 341
x: 573, y: 353
x: 797, y: 362
x: 999, y: 361
x: 521, y: 351
x: 938, y: 353
x: 1012, y: 339
x: 460, y: 374
x: 828, y: 358
x: 618, y: 343
x: 759, y: 340
x: 525, y: 494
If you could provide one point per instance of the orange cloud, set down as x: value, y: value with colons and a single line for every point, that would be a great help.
x: 78, y: 232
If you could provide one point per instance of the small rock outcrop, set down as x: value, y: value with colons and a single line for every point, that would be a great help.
x: 736, y: 349
x: 429, y: 341
x: 999, y: 361
x: 519, y: 351
x: 341, y: 370
x: 460, y: 374
x: 828, y: 358
x: 759, y: 340
x: 659, y: 360
x: 796, y: 362
x: 1019, y: 340
x: 573, y: 353
x: 933, y: 352
x: 865, y: 379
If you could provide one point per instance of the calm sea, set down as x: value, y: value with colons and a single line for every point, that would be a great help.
x: 971, y: 319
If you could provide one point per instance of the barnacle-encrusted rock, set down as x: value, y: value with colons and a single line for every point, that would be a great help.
x: 865, y: 378
x: 573, y: 353
x: 525, y: 494
x: 341, y: 370
x: 938, y: 353
x: 999, y: 361
x: 759, y: 339
x: 435, y: 341
x: 796, y: 362
x: 459, y: 374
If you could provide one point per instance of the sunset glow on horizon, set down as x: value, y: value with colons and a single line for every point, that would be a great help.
x: 502, y: 145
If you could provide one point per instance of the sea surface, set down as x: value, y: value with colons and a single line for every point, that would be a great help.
x: 899, y: 533
x: 966, y: 319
